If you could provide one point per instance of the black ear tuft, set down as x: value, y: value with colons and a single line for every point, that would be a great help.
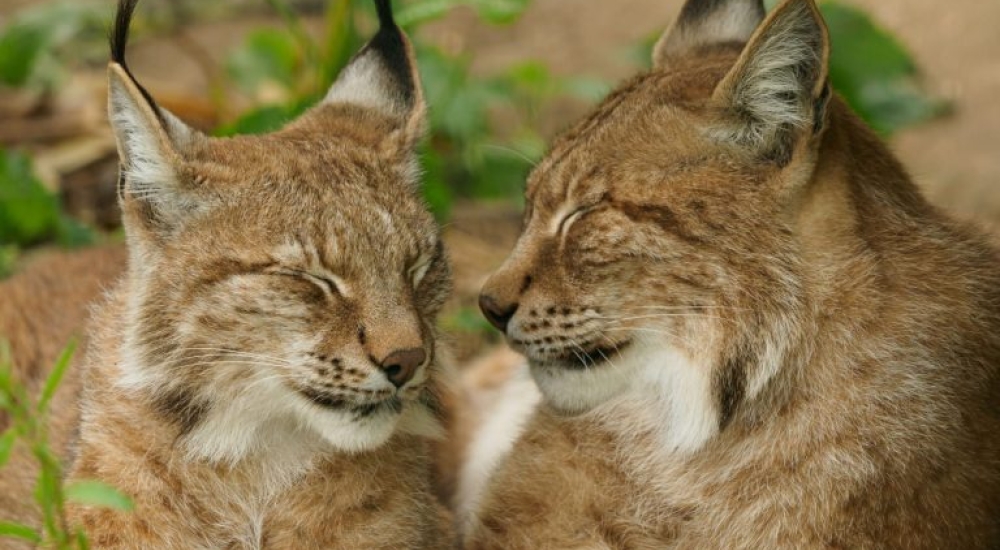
x: 383, y: 75
x: 384, y: 9
x: 118, y: 41
x: 118, y: 37
x: 392, y: 47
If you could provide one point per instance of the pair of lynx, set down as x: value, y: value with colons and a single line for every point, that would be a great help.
x: 748, y: 328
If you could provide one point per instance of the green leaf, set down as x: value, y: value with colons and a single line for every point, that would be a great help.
x: 28, y: 212
x: 418, y: 13
x: 55, y: 377
x: 20, y: 48
x: 501, y: 11
x: 269, y: 56
x: 96, y: 493
x: 264, y: 119
x: 8, y: 255
x: 7, y: 441
x: 874, y: 72
x: 16, y: 530
x: 29, y: 43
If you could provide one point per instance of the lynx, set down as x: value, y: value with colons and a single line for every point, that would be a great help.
x: 748, y: 328
x: 266, y: 374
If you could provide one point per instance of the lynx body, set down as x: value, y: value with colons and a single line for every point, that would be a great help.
x: 749, y: 328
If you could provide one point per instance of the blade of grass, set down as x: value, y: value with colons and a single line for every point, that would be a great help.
x: 7, y: 445
x: 55, y: 377
x: 96, y: 493
x: 16, y: 530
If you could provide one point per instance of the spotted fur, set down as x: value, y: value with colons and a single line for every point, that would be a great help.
x: 749, y: 328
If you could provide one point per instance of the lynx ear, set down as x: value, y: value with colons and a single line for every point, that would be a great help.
x: 150, y: 139
x: 383, y: 76
x: 778, y: 89
x: 705, y: 23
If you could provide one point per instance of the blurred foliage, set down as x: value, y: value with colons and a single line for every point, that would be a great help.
x: 483, y: 128
x: 29, y: 428
x: 36, y: 43
x: 468, y: 320
x: 468, y: 154
x: 30, y: 213
x: 874, y: 72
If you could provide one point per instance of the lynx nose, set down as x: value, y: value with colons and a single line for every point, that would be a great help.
x: 400, y: 365
x: 498, y: 316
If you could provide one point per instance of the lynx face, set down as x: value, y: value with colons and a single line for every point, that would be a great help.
x: 288, y: 282
x: 657, y: 257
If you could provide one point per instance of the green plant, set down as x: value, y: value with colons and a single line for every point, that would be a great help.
x: 29, y: 427
x: 874, y: 72
x: 30, y: 213
x: 33, y: 45
x: 469, y: 154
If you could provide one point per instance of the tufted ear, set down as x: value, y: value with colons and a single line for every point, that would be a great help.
x: 383, y: 76
x: 778, y: 90
x: 705, y: 23
x: 150, y: 140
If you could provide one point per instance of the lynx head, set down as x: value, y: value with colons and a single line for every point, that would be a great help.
x: 656, y: 255
x: 287, y: 282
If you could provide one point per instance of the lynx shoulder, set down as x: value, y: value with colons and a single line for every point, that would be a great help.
x: 749, y: 328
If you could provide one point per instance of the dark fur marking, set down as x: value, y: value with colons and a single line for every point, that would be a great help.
x: 224, y: 269
x: 180, y: 406
x: 525, y: 285
x: 118, y: 40
x: 661, y: 216
x: 697, y: 10
x: 730, y: 386
x: 390, y: 45
x: 819, y: 109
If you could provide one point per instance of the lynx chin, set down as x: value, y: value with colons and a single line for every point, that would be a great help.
x: 266, y: 374
x: 747, y: 326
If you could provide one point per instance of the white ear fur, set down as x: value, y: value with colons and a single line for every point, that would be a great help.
x: 383, y: 76
x: 369, y: 83
x: 779, y: 85
x: 706, y: 22
x: 150, y: 141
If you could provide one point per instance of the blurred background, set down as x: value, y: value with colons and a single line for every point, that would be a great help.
x: 502, y: 77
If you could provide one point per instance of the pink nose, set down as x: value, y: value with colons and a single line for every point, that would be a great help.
x: 400, y: 365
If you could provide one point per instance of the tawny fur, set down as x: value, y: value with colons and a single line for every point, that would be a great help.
x: 750, y: 329
x: 240, y: 384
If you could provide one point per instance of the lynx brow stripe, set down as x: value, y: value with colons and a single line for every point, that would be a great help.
x: 660, y: 216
